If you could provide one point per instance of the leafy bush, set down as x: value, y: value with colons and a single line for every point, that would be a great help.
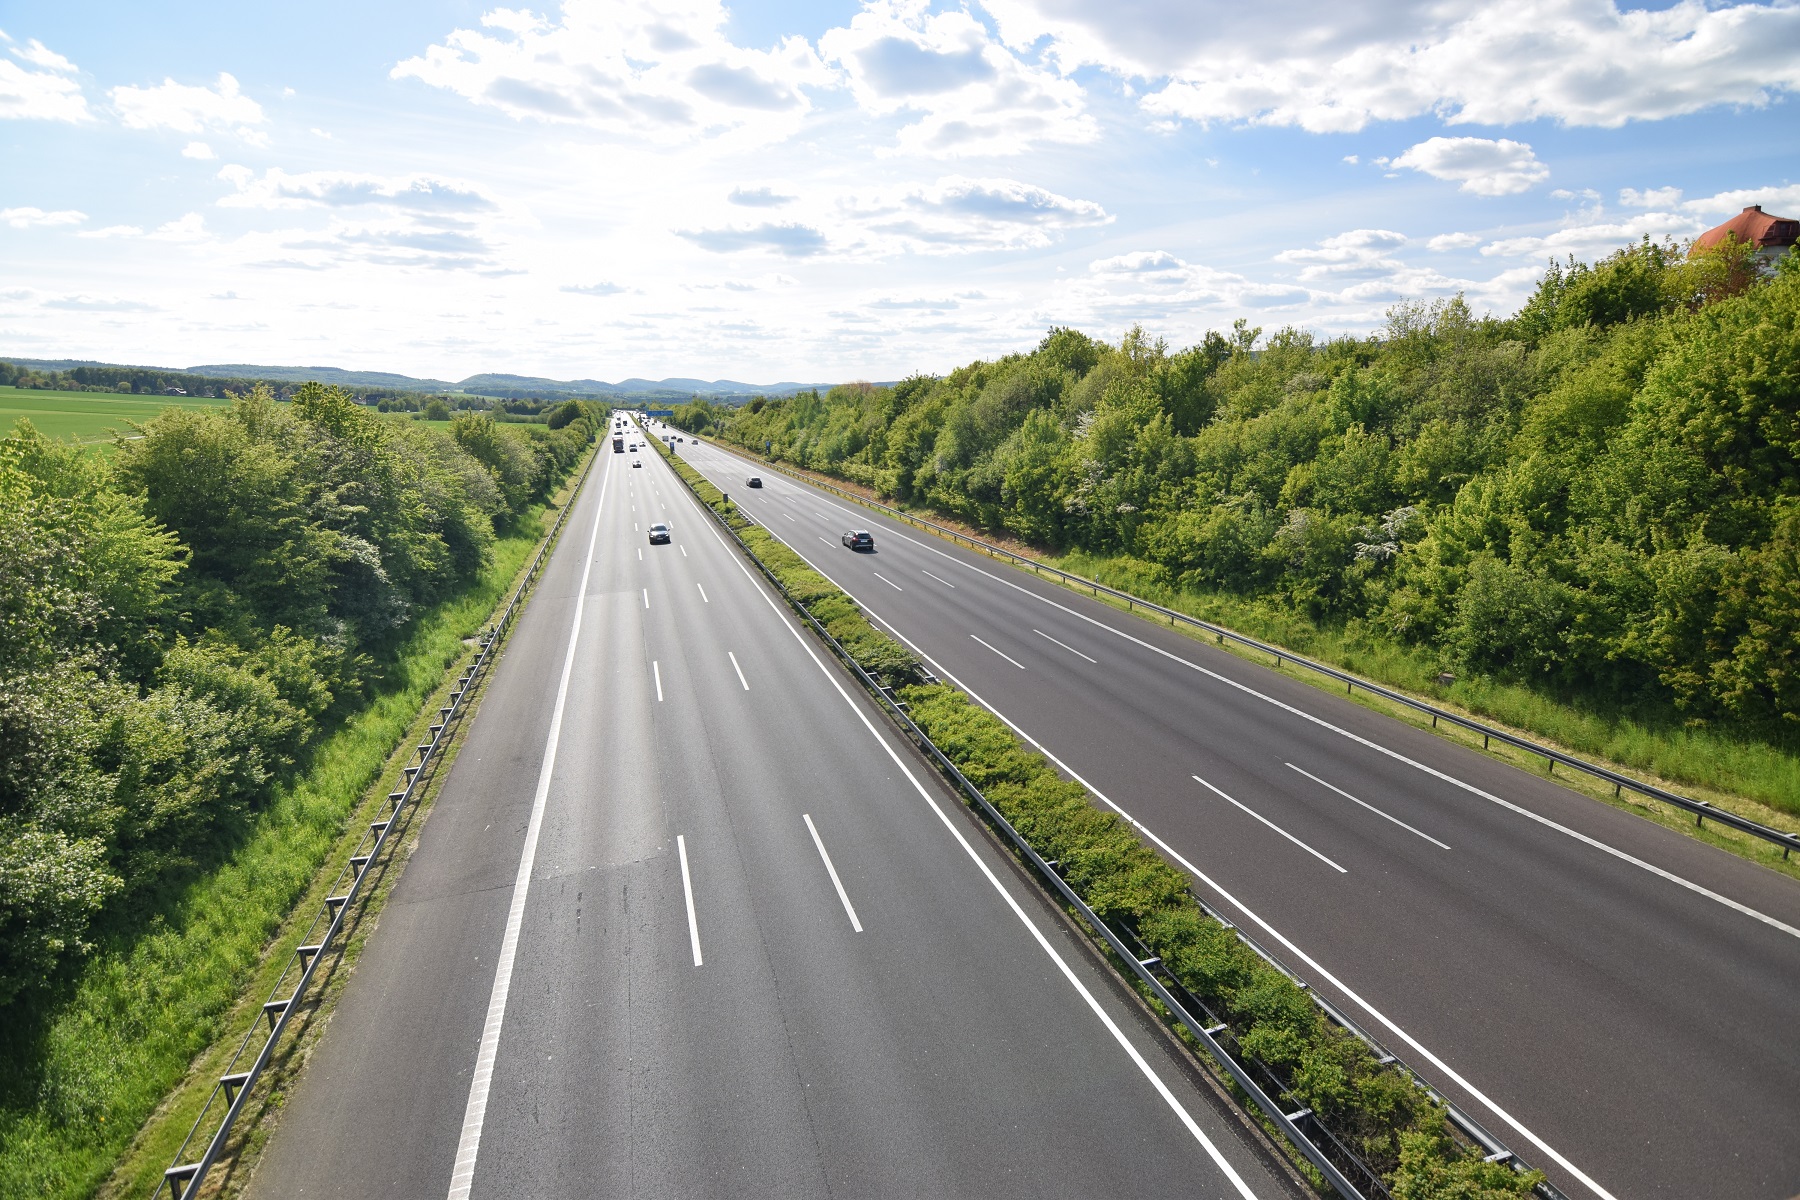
x: 180, y: 625
x: 1598, y: 497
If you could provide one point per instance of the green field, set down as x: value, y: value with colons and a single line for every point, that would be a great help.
x: 86, y: 417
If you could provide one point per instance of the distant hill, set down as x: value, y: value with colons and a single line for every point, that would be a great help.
x: 499, y: 384
x: 336, y: 375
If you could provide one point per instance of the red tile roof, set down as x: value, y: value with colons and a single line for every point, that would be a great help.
x: 1754, y: 226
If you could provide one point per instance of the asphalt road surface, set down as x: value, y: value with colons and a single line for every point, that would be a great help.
x: 1617, y: 1002
x: 687, y: 920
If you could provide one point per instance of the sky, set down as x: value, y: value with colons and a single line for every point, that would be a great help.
x: 832, y: 190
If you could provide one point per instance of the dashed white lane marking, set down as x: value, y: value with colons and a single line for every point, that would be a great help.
x: 1272, y: 825
x: 1064, y: 645
x: 687, y: 890
x: 1385, y: 816
x: 941, y: 580
x: 738, y: 669
x: 1003, y: 654
x: 702, y: 592
x: 656, y: 669
x: 837, y: 883
x: 889, y: 582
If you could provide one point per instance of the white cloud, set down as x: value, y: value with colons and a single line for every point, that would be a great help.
x: 1294, y: 62
x: 973, y: 95
x: 1666, y: 197
x: 197, y: 150
x: 185, y: 109
x: 1453, y: 241
x: 29, y: 218
x: 40, y: 55
x: 788, y: 238
x: 1596, y: 238
x: 1357, y: 254
x: 191, y: 228
x: 346, y: 189
x: 602, y: 288
x: 1483, y: 166
x: 98, y: 304
x: 957, y: 215
x: 45, y: 94
x: 661, y: 70
x: 761, y: 197
x: 1140, y: 263
x: 112, y: 231
x: 1783, y: 200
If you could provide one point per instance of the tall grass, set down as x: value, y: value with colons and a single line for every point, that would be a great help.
x: 82, y: 1071
x: 1667, y: 748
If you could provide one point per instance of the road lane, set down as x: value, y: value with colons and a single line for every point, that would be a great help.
x: 962, y: 1042
x: 1559, y: 980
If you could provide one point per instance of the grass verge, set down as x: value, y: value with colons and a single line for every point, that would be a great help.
x: 95, y: 1069
x: 1375, y: 1109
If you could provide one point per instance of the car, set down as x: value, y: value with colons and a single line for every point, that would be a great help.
x: 637, y: 462
x: 859, y: 539
x: 753, y: 481
x: 659, y: 533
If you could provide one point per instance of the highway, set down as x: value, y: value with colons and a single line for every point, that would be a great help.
x: 1618, y: 1003
x: 687, y: 919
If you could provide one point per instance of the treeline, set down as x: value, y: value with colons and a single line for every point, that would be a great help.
x: 1598, y: 495
x: 151, y: 381
x: 181, y: 622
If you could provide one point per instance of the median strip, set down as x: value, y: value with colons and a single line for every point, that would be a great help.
x: 1360, y: 1124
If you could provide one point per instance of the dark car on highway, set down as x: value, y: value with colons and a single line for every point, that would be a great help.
x: 659, y: 533
x: 859, y: 539
x: 753, y: 481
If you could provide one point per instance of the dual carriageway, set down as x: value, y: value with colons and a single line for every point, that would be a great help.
x: 689, y: 918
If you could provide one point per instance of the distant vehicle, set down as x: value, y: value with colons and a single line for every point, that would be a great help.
x: 753, y: 481
x: 619, y: 444
x: 659, y: 533
x: 637, y: 462
x: 859, y: 539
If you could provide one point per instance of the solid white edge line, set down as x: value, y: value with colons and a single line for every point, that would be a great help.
x: 1131, y: 1051
x: 468, y: 1145
x: 656, y: 669
x: 889, y: 582
x: 738, y: 669
x: 1272, y: 825
x: 687, y: 890
x: 1065, y: 646
x: 1003, y: 654
x: 1346, y: 795
x: 702, y: 588
x: 837, y: 883
x: 1387, y: 1023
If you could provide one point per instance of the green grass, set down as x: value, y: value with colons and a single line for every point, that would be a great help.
x: 79, y: 1076
x: 1695, y: 757
x: 87, y: 417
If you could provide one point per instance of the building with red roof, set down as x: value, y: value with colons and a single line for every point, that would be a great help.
x: 1772, y: 236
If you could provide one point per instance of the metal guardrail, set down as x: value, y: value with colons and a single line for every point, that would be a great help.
x: 1702, y: 810
x: 1302, y: 1128
x: 183, y: 1178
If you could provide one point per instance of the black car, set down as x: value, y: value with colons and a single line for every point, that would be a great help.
x: 753, y: 481
x: 859, y: 539
x: 659, y: 533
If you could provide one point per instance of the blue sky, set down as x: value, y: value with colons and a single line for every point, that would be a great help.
x: 824, y: 191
